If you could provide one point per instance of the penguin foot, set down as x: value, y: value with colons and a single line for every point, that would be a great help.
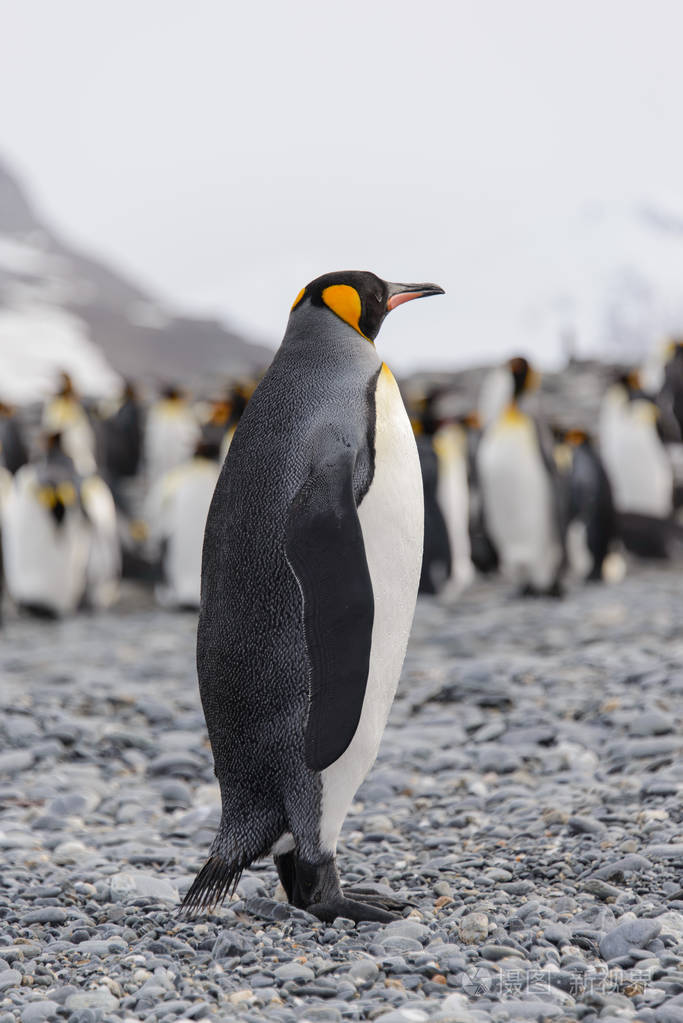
x: 356, y: 911
x: 315, y: 887
x: 373, y: 898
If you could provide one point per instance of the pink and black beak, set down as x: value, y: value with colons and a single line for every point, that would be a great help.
x: 400, y: 293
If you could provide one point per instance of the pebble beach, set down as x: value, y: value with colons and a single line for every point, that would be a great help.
x: 525, y: 809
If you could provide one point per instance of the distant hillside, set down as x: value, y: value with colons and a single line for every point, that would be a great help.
x: 60, y: 308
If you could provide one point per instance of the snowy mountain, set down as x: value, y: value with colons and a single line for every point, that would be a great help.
x: 63, y: 309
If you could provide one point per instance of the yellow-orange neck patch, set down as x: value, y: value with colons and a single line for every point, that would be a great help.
x: 298, y: 298
x: 345, y: 302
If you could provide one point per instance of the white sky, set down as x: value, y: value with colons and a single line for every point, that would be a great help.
x: 229, y: 152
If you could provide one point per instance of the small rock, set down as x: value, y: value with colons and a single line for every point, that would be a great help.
x: 98, y: 999
x: 474, y: 928
x: 46, y: 915
x: 363, y: 971
x: 672, y: 851
x: 133, y: 884
x: 70, y: 852
x: 38, y: 1012
x: 585, y: 825
x: 621, y: 939
x: 294, y: 971
x: 9, y: 979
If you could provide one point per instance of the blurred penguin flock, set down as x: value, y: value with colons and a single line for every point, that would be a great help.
x: 116, y: 414
x: 518, y: 480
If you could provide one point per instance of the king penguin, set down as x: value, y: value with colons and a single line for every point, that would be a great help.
x: 310, y: 571
x: 522, y: 504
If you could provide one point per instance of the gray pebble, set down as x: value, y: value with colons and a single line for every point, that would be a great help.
x: 37, y: 1012
x: 625, y: 936
x: 9, y: 979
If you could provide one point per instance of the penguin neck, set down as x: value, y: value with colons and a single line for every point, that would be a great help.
x: 513, y: 413
x: 322, y: 338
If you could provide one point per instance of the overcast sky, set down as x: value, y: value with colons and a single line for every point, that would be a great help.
x: 226, y: 153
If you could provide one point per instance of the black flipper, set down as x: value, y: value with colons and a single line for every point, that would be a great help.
x: 325, y: 549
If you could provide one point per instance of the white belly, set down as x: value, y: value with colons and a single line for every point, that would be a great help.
x: 637, y: 464
x: 454, y: 500
x: 191, y: 508
x: 392, y: 520
x: 45, y: 564
x: 177, y: 510
x: 518, y: 501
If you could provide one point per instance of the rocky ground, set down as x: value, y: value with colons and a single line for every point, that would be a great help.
x: 526, y: 801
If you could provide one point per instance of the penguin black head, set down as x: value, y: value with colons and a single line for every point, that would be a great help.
x: 523, y: 376
x: 360, y: 298
x: 66, y: 387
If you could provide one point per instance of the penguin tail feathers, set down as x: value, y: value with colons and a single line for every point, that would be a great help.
x: 210, y: 886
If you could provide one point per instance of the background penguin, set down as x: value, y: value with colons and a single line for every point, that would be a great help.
x: 483, y: 554
x: 451, y: 446
x: 171, y: 434
x: 13, y: 452
x: 592, y: 520
x: 672, y: 388
x: 45, y: 539
x: 176, y: 511
x: 520, y: 493
x: 65, y: 415
x: 103, y: 569
x: 5, y: 491
x: 436, y: 552
x: 122, y: 435
x: 638, y: 467
x: 310, y: 571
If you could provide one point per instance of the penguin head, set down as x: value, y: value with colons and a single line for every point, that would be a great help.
x: 524, y: 378
x: 360, y: 298
x: 66, y: 387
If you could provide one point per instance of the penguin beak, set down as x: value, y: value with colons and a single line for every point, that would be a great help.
x: 400, y: 293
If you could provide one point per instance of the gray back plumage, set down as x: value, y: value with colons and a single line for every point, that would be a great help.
x: 251, y: 652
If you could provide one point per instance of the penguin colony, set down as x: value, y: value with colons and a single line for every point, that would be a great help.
x: 304, y: 553
x: 504, y: 489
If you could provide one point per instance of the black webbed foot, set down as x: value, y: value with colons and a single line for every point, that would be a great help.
x: 316, y: 889
x: 356, y: 911
x: 391, y: 903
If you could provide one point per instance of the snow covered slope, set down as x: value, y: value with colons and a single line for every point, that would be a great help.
x: 61, y: 309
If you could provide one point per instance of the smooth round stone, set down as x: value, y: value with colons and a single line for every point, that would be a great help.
x: 133, y: 884
x: 363, y: 971
x: 630, y: 934
x: 533, y: 1009
x: 320, y: 1014
x: 558, y: 934
x: 102, y: 998
x: 397, y: 943
x: 294, y: 971
x: 71, y: 851
x: 37, y: 1012
x: 405, y: 1016
x: 651, y: 722
x: 46, y: 915
x: 404, y: 929
x: 473, y: 928
x: 9, y: 979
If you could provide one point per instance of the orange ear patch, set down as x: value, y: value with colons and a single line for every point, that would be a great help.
x: 345, y: 302
x: 298, y: 298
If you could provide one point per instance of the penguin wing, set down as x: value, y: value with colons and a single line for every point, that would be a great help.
x: 325, y: 549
